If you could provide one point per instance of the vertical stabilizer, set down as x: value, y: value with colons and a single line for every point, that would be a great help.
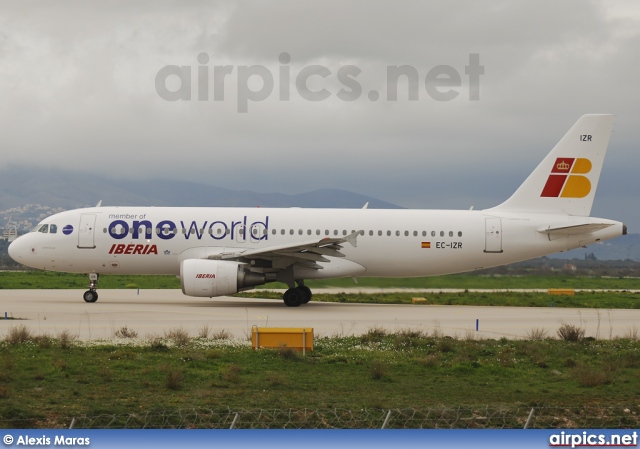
x: 566, y: 180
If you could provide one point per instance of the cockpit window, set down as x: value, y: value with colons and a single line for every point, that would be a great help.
x: 44, y: 228
x: 53, y: 229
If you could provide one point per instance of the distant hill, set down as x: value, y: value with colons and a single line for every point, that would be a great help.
x: 70, y: 190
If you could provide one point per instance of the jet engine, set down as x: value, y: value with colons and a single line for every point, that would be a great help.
x: 208, y: 278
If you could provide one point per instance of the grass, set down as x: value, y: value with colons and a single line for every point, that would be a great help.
x: 51, y: 280
x: 589, y: 299
x: 621, y: 299
x: 44, y: 385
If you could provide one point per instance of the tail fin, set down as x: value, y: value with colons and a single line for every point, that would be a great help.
x: 566, y: 180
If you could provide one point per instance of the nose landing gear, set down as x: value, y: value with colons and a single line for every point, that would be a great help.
x: 91, y: 295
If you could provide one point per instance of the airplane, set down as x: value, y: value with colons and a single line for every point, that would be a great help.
x: 222, y: 251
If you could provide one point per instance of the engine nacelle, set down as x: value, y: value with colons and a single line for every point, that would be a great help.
x: 208, y: 278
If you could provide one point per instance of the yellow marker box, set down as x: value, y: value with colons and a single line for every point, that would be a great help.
x: 562, y: 291
x: 300, y: 338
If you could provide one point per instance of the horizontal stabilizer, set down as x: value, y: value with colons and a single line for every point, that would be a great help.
x: 575, y: 229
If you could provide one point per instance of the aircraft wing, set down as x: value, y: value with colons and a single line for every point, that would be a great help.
x: 305, y: 254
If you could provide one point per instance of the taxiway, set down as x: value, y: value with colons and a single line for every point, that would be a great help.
x: 154, y: 312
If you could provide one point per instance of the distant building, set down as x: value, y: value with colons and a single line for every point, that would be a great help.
x: 10, y: 234
x: 570, y: 267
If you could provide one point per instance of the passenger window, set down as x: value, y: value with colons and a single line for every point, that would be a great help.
x: 433, y: 233
x: 326, y: 232
x: 459, y: 233
x: 450, y: 233
x: 370, y: 232
x: 397, y: 233
x: 406, y: 233
x: 317, y: 231
x: 308, y: 231
x: 344, y: 232
x: 388, y: 233
x: 53, y: 229
x: 282, y: 232
x: 441, y: 233
x: 424, y: 233
x: 415, y: 233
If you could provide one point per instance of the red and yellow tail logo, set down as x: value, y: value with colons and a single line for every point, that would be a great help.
x: 566, y: 180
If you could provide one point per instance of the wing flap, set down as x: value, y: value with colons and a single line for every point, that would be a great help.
x: 305, y: 254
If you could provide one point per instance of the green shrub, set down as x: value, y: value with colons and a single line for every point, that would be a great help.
x: 378, y: 369
x: 18, y: 334
x: 569, y: 332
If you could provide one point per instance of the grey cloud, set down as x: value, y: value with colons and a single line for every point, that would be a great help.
x: 78, y: 91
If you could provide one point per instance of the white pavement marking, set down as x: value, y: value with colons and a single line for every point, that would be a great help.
x: 154, y: 312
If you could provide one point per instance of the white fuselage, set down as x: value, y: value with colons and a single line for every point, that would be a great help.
x: 392, y: 243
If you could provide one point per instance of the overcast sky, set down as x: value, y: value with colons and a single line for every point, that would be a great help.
x: 79, y: 90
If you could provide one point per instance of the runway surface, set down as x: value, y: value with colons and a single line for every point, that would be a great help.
x: 154, y: 312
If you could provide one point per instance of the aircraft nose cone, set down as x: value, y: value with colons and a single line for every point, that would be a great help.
x: 16, y: 250
x: 12, y: 250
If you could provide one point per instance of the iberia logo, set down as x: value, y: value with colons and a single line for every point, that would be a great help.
x: 566, y: 180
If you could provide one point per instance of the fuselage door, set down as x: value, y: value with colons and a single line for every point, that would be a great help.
x: 86, y: 231
x: 493, y: 235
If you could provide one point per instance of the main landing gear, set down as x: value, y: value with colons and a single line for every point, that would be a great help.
x: 91, y: 295
x: 297, y: 296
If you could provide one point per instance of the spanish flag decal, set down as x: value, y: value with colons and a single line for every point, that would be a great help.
x: 426, y: 244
